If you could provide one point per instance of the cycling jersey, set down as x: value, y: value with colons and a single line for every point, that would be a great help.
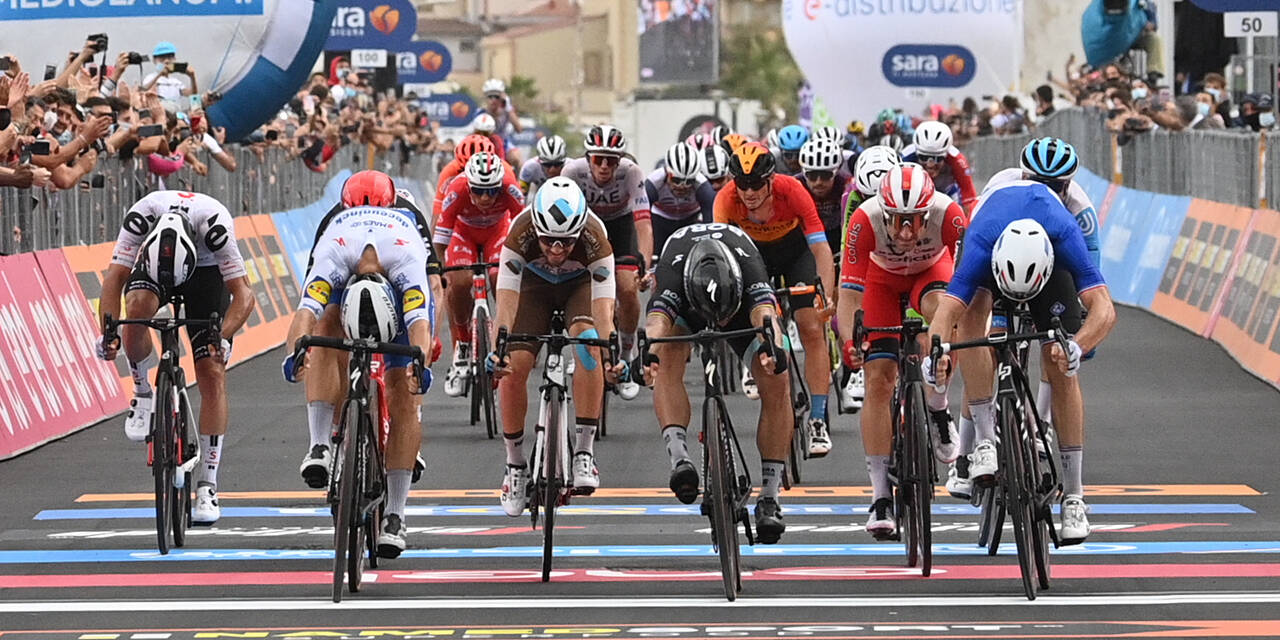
x: 1076, y: 201
x: 401, y: 253
x: 830, y: 206
x: 956, y: 178
x: 791, y: 212
x: 670, y: 299
x: 215, y: 231
x: 664, y: 202
x: 453, y: 170
x: 532, y: 174
x: 591, y: 253
x: 849, y: 202
x: 459, y: 210
x: 424, y: 230
x: 1014, y: 201
x: 869, y: 241
x: 623, y: 195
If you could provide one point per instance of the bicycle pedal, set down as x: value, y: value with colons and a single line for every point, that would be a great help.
x: 582, y: 491
x: 887, y: 537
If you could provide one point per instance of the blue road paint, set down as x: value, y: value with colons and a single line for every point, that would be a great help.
x: 634, y: 510
x: 633, y: 551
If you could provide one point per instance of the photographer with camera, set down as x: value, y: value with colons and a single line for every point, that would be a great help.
x: 164, y: 78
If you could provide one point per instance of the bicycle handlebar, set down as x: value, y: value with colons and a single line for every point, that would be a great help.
x: 476, y: 268
x: 110, y: 325
x: 357, y: 345
x: 504, y: 338
x: 999, y: 340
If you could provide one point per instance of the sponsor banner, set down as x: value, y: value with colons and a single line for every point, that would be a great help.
x: 1094, y: 186
x: 679, y: 42
x: 974, y: 51
x: 372, y: 24
x: 45, y: 391
x: 1245, y: 326
x: 451, y: 110
x: 296, y: 228
x: 1137, y: 240
x: 1191, y: 287
x: 99, y: 10
x: 423, y: 61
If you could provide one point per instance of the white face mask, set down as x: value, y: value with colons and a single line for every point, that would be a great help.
x: 1217, y: 94
x: 1267, y: 119
x: 1139, y: 93
x: 50, y: 119
x: 1203, y: 108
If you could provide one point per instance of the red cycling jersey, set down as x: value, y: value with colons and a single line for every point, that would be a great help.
x: 453, y: 170
x: 464, y: 227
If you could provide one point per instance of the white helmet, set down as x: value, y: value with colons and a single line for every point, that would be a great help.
x: 771, y: 140
x: 369, y: 308
x: 168, y: 253
x: 551, y: 149
x: 820, y: 154
x: 682, y: 161
x: 827, y: 133
x: 871, y: 166
x: 559, y: 209
x: 715, y: 162
x: 484, y: 123
x: 605, y: 139
x: 932, y: 138
x: 891, y: 140
x: 493, y: 85
x: 1022, y: 259
x: 484, y: 171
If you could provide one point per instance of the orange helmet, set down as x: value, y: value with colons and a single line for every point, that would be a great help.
x: 733, y: 141
x: 751, y: 165
x: 470, y: 145
x: 368, y: 188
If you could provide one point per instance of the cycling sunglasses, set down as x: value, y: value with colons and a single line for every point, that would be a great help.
x: 816, y: 176
x: 551, y: 165
x: 750, y: 183
x: 564, y: 244
x: 486, y: 191
x: 681, y: 182
x: 925, y: 158
x: 605, y: 161
x: 790, y: 155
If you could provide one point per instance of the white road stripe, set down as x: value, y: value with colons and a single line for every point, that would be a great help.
x: 1111, y: 600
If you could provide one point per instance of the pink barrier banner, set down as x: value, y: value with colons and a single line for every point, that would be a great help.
x: 45, y: 389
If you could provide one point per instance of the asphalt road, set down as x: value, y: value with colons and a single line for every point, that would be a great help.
x: 1180, y: 464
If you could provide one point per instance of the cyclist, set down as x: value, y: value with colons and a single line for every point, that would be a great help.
x: 614, y: 187
x: 548, y: 164
x: 325, y: 393
x: 472, y: 228
x: 678, y: 194
x: 176, y: 243
x: 931, y: 147
x: 1025, y: 247
x: 779, y: 215
x: 825, y: 179
x: 1053, y: 162
x: 485, y: 125
x: 732, y: 141
x: 714, y: 164
x: 833, y: 134
x: 462, y: 152
x: 791, y: 139
x: 902, y: 242
x: 372, y: 263
x: 711, y: 276
x: 566, y: 253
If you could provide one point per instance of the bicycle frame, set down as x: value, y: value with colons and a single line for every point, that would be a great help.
x: 482, y: 406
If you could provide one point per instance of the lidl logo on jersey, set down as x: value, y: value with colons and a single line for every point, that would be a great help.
x: 319, y: 291
x: 928, y: 65
x: 413, y: 299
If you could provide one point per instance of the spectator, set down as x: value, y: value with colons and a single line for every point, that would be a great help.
x: 1216, y: 85
x: 1139, y: 89
x: 1044, y: 101
x: 165, y: 77
x: 1256, y: 112
x: 1010, y: 118
x: 1207, y: 116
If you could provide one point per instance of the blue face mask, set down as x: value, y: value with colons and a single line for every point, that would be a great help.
x: 1267, y: 119
x: 1139, y: 93
x: 1203, y: 108
x: 1217, y: 94
x: 66, y: 136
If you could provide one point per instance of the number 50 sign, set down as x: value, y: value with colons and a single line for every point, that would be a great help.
x: 1249, y: 24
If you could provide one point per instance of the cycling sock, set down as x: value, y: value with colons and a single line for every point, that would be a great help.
x: 819, y: 408
x: 461, y: 335
x: 1072, y: 470
x: 211, y: 457
x: 677, y: 439
x: 628, y: 341
x: 515, y: 448
x: 585, y: 429
x: 141, y: 372
x: 878, y: 472
x: 1044, y: 401
x: 320, y: 421
x: 398, y: 490
x: 966, y: 435
x: 771, y: 477
x: 936, y: 401
x: 984, y: 419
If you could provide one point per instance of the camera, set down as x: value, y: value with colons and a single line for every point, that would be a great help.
x: 99, y: 41
x: 5, y: 64
x: 138, y: 58
x: 179, y: 67
x: 272, y: 135
x: 213, y: 96
x: 150, y: 130
x: 37, y: 148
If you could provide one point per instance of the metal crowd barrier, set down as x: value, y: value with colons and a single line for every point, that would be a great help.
x: 38, y: 219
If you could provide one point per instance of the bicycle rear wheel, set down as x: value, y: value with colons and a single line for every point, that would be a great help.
x: 483, y: 379
x: 162, y: 429
x: 358, y: 526
x: 553, y: 479
x: 180, y: 510
x: 720, y: 493
x: 991, y: 520
x: 1018, y: 492
x: 346, y: 489
x: 921, y: 476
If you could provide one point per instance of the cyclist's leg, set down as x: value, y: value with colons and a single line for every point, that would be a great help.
x: 142, y: 298
x: 622, y: 235
x: 1059, y: 298
x: 588, y: 384
x: 533, y: 316
x: 463, y: 249
x: 204, y: 295
x: 881, y: 308
x: 773, y: 438
x: 926, y: 292
x: 977, y: 368
x: 671, y: 404
x: 403, y: 443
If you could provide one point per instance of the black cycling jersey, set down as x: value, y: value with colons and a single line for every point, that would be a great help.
x: 670, y: 299
x: 424, y: 230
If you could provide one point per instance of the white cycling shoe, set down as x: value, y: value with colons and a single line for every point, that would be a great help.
x: 628, y: 390
x: 1075, y: 520
x: 455, y: 380
x: 391, y: 541
x: 983, y: 463
x: 946, y: 442
x: 855, y: 390
x: 749, y: 388
x: 205, y: 511
x: 959, y: 487
x: 137, y: 425
x: 586, y: 477
x: 880, y: 523
x: 315, y: 466
x: 515, y: 490
x: 820, y: 438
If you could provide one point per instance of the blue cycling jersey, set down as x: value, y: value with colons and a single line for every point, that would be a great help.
x: 1076, y: 201
x: 1016, y: 201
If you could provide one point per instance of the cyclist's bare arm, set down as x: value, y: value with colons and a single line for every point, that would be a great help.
x: 1101, y: 318
x: 112, y: 285
x: 847, y: 305
x: 826, y: 266
x: 242, y: 302
x: 303, y: 324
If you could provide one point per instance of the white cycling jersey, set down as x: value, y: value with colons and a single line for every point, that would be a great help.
x: 1076, y: 199
x: 215, y: 231
x: 623, y: 195
x: 394, y: 235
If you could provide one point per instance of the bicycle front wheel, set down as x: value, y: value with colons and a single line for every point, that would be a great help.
x: 180, y: 509
x: 162, y: 429
x: 553, y: 479
x: 346, y: 489
x: 719, y: 497
x: 484, y: 380
x: 1018, y: 491
x: 921, y: 475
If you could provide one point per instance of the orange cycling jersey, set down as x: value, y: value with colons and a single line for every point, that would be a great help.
x: 792, y: 209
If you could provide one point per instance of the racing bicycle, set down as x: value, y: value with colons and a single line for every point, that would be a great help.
x: 479, y: 385
x: 358, y: 479
x: 173, y: 450
x: 728, y: 482
x: 1028, y: 482
x: 551, y: 457
x: 800, y: 395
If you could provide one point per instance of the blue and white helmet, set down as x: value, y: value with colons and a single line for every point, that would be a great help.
x: 792, y: 137
x: 1050, y: 159
x: 559, y: 209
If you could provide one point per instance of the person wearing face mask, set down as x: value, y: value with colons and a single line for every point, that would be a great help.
x: 1256, y: 112
x: 165, y: 77
x: 1207, y: 116
x: 1139, y: 89
x: 1216, y: 85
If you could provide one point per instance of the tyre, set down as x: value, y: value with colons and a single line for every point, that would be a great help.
x: 162, y: 429
x: 921, y: 476
x: 483, y: 404
x: 720, y: 496
x: 180, y: 514
x: 554, y: 481
x: 1018, y: 492
x: 346, y: 500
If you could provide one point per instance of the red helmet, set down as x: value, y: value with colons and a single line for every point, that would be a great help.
x: 368, y: 188
x: 906, y: 190
x: 471, y: 145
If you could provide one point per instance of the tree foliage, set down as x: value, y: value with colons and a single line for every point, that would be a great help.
x: 756, y: 65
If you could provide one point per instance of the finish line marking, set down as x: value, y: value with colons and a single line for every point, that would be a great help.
x: 800, y: 509
x: 472, y: 576
x: 853, y: 491
x: 683, y: 602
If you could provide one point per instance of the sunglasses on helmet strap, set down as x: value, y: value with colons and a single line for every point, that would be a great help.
x: 820, y: 175
x: 486, y: 191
